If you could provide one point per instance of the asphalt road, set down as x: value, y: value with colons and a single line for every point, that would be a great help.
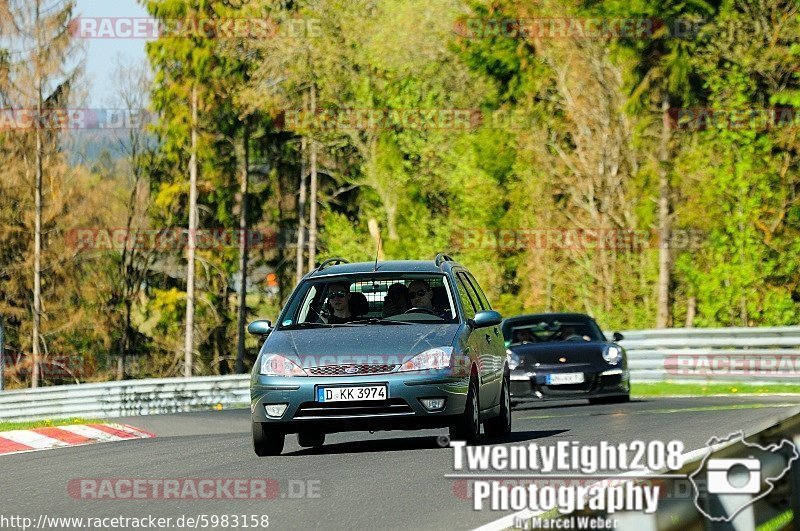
x: 383, y: 480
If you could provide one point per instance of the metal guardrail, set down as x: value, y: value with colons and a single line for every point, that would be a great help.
x: 755, y: 355
x: 125, y: 398
x: 760, y: 355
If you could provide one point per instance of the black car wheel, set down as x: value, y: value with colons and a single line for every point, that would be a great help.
x: 310, y: 439
x: 267, y: 443
x: 468, y: 426
x: 618, y: 399
x: 500, y: 426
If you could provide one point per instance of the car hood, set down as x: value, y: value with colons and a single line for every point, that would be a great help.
x: 351, y: 345
x: 555, y: 352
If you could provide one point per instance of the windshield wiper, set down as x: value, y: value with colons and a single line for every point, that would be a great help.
x: 306, y: 325
x: 299, y: 326
x: 375, y: 320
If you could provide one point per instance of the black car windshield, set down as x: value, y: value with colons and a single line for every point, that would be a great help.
x: 370, y: 299
x: 543, y: 330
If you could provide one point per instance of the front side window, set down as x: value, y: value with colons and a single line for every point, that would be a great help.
x: 366, y: 298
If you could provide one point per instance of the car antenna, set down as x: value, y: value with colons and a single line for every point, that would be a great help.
x: 377, y: 253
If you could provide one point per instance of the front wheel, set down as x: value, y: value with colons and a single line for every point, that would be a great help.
x: 267, y: 442
x: 468, y: 426
x: 310, y: 439
x: 500, y: 426
x: 618, y: 399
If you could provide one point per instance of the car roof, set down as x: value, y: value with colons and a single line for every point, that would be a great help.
x: 548, y: 316
x: 392, y: 266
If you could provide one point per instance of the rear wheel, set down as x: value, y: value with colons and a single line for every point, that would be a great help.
x: 468, y: 426
x: 500, y: 426
x: 267, y: 442
x: 310, y: 439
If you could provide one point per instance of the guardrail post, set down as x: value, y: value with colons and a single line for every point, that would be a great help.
x: 794, y: 478
x: 2, y: 355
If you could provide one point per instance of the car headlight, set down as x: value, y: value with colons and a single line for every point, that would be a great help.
x: 277, y: 365
x: 513, y: 359
x: 434, y: 358
x: 612, y: 354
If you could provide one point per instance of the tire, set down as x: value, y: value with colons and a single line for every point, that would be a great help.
x: 618, y: 399
x: 468, y: 425
x: 500, y: 426
x: 310, y: 439
x: 267, y: 442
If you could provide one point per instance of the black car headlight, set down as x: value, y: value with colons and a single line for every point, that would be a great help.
x: 513, y: 359
x: 612, y: 354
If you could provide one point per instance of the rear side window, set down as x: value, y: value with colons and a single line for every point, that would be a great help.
x: 466, y: 298
x: 481, y: 297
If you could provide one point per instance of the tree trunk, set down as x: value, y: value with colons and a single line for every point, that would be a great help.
x: 189, y: 343
x: 123, y: 347
x: 242, y: 155
x: 664, y: 310
x: 312, y: 229
x: 301, y: 214
x: 37, y: 233
x: 691, y: 311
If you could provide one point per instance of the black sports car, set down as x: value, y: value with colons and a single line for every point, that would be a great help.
x: 564, y: 356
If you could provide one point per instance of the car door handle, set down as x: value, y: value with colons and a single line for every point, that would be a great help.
x: 488, y: 338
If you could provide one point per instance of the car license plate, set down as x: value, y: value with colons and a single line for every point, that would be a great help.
x: 351, y: 393
x: 564, y: 378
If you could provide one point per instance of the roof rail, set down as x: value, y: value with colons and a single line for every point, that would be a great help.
x: 442, y: 258
x: 331, y: 261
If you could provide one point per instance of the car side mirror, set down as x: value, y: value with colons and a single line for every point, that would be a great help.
x: 262, y: 327
x: 485, y: 318
x: 618, y: 337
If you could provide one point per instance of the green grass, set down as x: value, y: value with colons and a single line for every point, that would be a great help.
x: 702, y: 389
x: 8, y: 426
x: 781, y: 521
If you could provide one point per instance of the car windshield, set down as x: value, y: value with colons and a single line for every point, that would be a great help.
x: 370, y: 299
x: 551, y: 330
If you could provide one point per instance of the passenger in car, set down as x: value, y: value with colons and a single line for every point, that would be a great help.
x: 524, y: 335
x: 397, y: 300
x: 339, y: 299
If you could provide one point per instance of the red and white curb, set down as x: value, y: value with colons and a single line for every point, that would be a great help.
x: 36, y: 439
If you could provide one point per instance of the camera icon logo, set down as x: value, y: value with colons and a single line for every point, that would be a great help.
x: 734, y: 476
x: 738, y: 482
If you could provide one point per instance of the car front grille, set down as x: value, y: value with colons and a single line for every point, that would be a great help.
x: 350, y: 370
x: 393, y: 406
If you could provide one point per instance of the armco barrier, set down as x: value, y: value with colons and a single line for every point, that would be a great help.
x: 126, y: 398
x: 756, y: 355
